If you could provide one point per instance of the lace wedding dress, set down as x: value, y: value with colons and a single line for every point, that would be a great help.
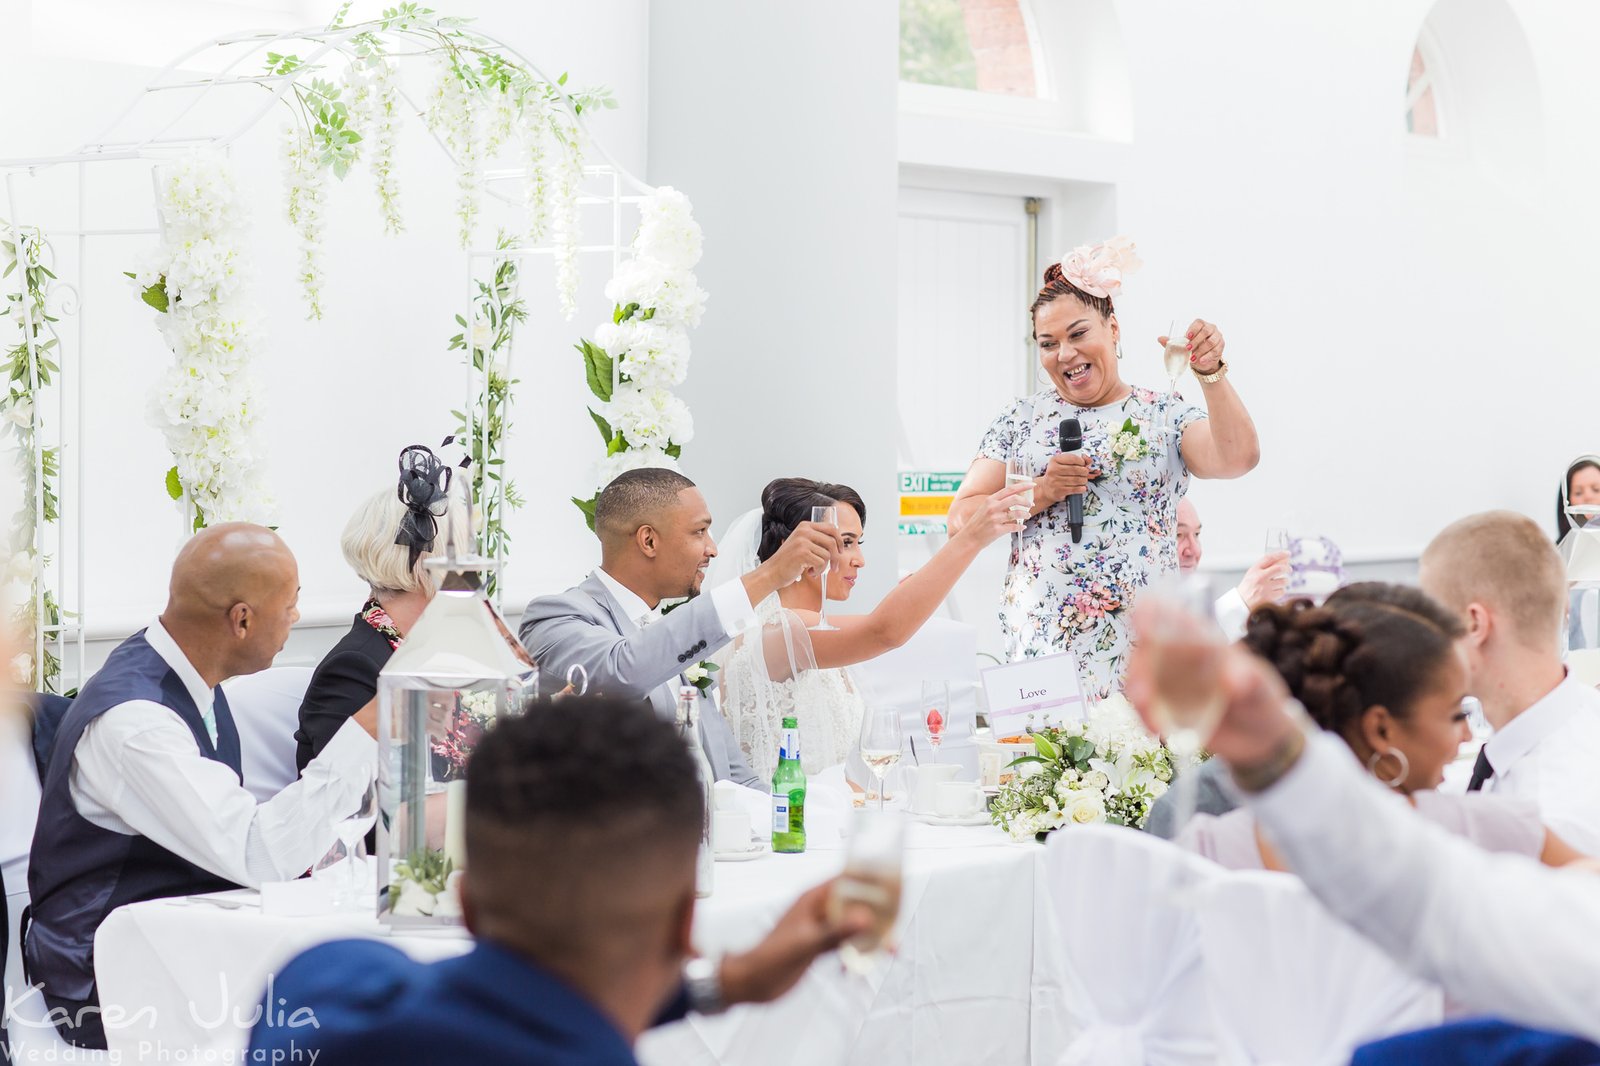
x: 769, y: 673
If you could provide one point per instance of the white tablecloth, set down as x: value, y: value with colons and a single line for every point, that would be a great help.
x: 964, y: 988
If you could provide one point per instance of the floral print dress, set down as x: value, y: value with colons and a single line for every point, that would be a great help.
x: 1060, y: 595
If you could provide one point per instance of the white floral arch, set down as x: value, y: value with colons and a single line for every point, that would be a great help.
x: 488, y: 98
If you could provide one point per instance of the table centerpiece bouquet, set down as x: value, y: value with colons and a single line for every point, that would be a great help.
x: 1106, y: 770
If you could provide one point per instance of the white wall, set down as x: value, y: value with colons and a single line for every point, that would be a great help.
x: 779, y: 121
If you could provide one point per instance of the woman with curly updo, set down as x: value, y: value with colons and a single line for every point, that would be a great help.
x: 1378, y: 665
x: 1139, y: 449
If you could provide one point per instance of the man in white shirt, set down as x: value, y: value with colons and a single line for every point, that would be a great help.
x: 1505, y: 579
x: 1265, y: 582
x: 655, y: 543
x: 143, y: 796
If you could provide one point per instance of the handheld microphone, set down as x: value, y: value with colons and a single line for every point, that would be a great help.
x: 1071, y: 441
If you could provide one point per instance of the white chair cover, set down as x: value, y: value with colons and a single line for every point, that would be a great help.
x: 266, y: 708
x: 34, y: 1040
x: 1133, y: 980
x: 1291, y: 984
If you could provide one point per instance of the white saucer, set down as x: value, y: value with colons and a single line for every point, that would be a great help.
x: 742, y: 856
x: 980, y: 818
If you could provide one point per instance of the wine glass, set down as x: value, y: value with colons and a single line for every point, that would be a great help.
x: 1277, y: 539
x: 872, y: 879
x: 935, y: 711
x: 1019, y: 471
x: 825, y: 516
x: 351, y: 831
x: 1175, y: 358
x: 881, y: 742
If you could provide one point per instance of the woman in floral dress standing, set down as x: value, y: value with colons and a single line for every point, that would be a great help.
x: 1139, y: 450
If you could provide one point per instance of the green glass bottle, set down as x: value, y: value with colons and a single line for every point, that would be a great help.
x: 789, y: 793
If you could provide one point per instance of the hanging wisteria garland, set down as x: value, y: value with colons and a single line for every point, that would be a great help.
x: 482, y: 104
x: 206, y: 404
x: 31, y: 368
x: 644, y: 349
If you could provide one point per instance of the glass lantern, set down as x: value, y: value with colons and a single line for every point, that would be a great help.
x: 1580, y: 554
x: 458, y: 672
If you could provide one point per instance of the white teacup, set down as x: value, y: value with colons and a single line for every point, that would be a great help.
x: 959, y: 799
x: 730, y: 830
x: 925, y: 783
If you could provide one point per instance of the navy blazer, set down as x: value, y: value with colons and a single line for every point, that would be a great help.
x: 373, y: 1004
x: 1479, y: 1042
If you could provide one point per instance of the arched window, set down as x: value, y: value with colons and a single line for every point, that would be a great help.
x: 984, y: 46
x: 1422, y: 93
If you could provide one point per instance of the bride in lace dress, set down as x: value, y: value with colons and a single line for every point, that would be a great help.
x: 783, y: 668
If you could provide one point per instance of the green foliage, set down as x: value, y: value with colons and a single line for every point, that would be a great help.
x: 174, y: 486
x: 587, y: 507
x: 154, y: 295
x: 934, y: 47
x: 597, y: 369
x: 428, y: 867
x: 499, y: 308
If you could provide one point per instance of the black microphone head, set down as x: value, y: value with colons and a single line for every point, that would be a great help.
x: 1071, y: 435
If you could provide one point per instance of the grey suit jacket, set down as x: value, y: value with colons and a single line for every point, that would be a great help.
x: 585, y: 625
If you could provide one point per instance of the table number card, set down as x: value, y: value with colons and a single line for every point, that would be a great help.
x: 1033, y: 693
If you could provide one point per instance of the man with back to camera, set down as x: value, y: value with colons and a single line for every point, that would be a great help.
x: 655, y: 542
x: 583, y: 820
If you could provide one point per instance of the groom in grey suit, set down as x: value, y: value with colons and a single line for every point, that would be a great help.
x: 655, y: 542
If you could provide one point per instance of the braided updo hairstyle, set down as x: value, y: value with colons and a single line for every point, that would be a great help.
x: 1056, y: 286
x: 787, y: 502
x: 1371, y: 644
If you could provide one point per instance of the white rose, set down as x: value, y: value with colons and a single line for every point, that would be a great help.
x: 696, y: 674
x: 448, y: 902
x: 1087, y: 808
x: 415, y: 901
x: 1096, y: 780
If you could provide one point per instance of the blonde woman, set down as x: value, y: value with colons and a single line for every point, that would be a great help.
x: 385, y: 543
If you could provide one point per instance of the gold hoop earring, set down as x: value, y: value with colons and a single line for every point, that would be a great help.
x: 1398, y: 779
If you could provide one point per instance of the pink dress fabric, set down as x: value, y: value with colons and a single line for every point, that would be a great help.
x: 1494, y: 823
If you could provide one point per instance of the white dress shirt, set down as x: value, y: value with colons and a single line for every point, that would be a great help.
x: 1501, y: 933
x: 730, y: 599
x: 1549, y: 754
x: 137, y: 770
x: 1232, y: 613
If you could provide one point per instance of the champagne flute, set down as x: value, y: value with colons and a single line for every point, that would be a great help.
x: 935, y: 712
x: 1175, y: 357
x: 351, y: 831
x: 825, y: 516
x: 1178, y: 628
x: 1278, y: 541
x: 881, y: 742
x: 1020, y: 472
x: 871, y: 879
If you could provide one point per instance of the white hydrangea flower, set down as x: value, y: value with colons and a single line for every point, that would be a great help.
x: 650, y: 418
x: 607, y: 469
x: 668, y: 232
x: 649, y: 354
x: 674, y: 295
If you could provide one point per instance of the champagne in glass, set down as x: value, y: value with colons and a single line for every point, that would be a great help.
x: 1175, y: 357
x: 872, y: 881
x: 824, y: 516
x: 881, y: 741
x: 1020, y: 472
x: 1178, y: 629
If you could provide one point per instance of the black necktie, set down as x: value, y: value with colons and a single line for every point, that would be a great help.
x: 1481, y: 770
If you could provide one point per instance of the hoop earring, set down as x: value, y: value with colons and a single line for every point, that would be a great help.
x: 1398, y: 779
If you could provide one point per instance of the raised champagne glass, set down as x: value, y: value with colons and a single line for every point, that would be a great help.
x: 825, y: 516
x: 871, y: 880
x: 1020, y: 472
x: 1175, y: 359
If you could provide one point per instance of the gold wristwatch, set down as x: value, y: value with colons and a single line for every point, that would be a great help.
x: 1216, y: 375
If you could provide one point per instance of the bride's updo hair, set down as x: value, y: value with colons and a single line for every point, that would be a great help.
x: 1371, y: 644
x: 1056, y: 286
x: 787, y: 502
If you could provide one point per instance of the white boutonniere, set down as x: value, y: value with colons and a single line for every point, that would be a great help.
x: 699, y: 675
x: 1128, y: 444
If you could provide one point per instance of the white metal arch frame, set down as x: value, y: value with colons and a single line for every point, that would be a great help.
x: 116, y: 143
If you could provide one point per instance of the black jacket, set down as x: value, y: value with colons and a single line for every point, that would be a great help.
x: 345, y: 679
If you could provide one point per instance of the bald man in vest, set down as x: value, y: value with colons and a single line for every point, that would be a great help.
x: 143, y: 797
